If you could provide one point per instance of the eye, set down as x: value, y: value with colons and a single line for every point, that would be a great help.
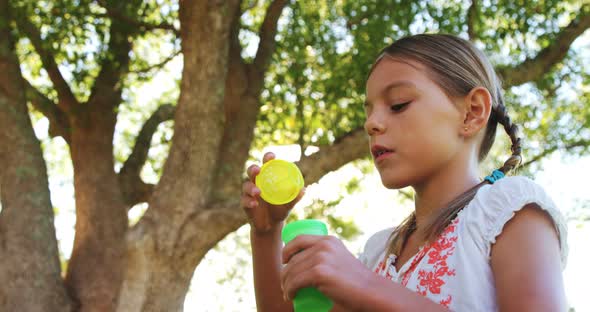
x: 396, y: 108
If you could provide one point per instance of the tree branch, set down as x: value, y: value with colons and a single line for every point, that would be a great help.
x: 158, y: 65
x: 140, y: 25
x: 349, y: 147
x: 472, y: 19
x: 268, y: 30
x: 107, y: 87
x: 134, y: 189
x: 535, y: 68
x: 59, y: 124
x: 225, y: 216
x: 241, y: 99
x: 138, y: 156
x: 547, y: 152
x: 66, y: 99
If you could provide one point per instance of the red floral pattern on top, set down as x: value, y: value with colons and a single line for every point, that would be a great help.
x: 382, y: 267
x: 431, y: 278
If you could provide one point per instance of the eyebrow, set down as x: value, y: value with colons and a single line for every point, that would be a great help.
x: 393, y: 85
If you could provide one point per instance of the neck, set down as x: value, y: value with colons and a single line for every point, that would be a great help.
x: 437, y: 190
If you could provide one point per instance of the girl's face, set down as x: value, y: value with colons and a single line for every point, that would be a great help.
x: 414, y: 127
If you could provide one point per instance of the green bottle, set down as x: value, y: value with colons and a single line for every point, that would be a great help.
x: 307, y: 299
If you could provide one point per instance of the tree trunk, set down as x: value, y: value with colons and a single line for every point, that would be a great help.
x: 29, y: 263
x: 158, y: 281
x: 95, y: 270
x: 97, y: 264
x: 161, y: 257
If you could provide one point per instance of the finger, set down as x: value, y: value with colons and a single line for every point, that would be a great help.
x: 261, y: 218
x: 312, y: 277
x: 294, y: 283
x: 253, y: 171
x: 268, y: 156
x: 299, y: 244
x: 250, y: 189
x: 248, y: 202
x: 300, y: 262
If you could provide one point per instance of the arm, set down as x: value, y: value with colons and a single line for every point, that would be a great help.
x: 526, y: 264
x: 266, y: 258
x: 266, y: 222
x: 318, y: 261
x: 388, y: 296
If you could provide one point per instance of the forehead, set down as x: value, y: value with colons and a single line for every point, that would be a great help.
x: 389, y: 71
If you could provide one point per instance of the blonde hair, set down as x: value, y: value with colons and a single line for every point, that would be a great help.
x: 457, y: 67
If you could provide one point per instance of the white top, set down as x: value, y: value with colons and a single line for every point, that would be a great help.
x: 455, y: 270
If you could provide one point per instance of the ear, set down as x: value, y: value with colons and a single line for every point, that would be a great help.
x: 477, y: 108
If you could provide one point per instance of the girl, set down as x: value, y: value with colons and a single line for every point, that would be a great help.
x: 433, y: 103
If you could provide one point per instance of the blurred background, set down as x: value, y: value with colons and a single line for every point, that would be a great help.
x: 115, y: 90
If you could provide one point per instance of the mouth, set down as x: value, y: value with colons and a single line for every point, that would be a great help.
x: 380, y: 152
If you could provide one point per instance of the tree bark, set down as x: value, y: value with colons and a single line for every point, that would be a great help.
x: 244, y: 85
x: 161, y: 260
x: 95, y: 270
x: 29, y: 263
x: 97, y: 264
x: 134, y: 189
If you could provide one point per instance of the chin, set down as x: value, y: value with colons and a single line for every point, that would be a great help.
x: 394, y: 184
x: 397, y: 177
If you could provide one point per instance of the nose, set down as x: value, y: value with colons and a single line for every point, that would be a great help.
x: 373, y: 125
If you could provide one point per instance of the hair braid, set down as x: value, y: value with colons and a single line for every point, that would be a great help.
x: 512, y: 130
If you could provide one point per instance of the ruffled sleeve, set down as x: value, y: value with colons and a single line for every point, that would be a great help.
x: 496, y: 204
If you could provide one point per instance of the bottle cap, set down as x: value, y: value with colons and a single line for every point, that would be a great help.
x: 307, y: 227
x: 279, y: 181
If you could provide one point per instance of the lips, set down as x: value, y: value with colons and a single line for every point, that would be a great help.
x: 380, y: 152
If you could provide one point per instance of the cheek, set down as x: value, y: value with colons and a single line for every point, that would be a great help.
x: 428, y: 135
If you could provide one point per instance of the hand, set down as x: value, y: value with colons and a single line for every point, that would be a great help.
x: 263, y: 217
x: 324, y: 262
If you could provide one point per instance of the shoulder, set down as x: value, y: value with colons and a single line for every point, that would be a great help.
x: 526, y: 258
x: 374, y: 247
x: 496, y: 204
x: 511, y: 194
x: 518, y: 188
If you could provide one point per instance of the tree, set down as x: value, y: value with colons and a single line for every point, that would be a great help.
x: 76, y: 62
